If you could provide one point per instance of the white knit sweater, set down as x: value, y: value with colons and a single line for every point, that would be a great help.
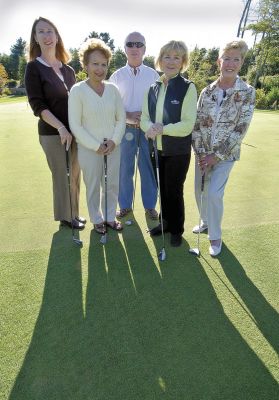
x: 93, y: 118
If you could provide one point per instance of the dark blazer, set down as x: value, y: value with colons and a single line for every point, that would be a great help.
x: 176, y: 92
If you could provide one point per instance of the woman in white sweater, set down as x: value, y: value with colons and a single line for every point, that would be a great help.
x: 96, y: 113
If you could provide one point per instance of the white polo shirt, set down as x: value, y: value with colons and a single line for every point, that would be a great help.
x: 133, y: 87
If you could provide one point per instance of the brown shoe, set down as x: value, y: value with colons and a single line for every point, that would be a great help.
x: 115, y: 225
x: 100, y: 228
x: 151, y: 213
x: 123, y: 212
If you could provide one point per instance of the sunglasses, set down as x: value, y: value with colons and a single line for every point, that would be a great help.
x: 135, y: 44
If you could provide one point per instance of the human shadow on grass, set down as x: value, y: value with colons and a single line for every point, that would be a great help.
x: 263, y: 314
x: 156, y: 336
x: 169, y: 338
x: 51, y: 364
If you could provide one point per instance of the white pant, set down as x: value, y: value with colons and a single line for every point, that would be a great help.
x: 212, y: 202
x: 92, y: 165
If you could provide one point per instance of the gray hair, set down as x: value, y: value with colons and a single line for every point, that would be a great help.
x: 135, y: 33
x: 237, y: 43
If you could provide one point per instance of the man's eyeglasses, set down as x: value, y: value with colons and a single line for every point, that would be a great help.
x: 135, y: 44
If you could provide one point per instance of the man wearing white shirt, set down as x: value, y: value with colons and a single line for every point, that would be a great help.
x: 133, y: 81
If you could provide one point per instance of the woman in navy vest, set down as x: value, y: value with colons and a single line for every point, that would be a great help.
x: 168, y: 116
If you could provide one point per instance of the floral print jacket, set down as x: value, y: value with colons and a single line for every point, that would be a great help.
x: 220, y: 130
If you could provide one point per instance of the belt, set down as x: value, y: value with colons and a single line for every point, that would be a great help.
x: 132, y: 126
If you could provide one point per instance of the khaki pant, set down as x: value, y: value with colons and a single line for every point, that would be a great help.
x: 56, y: 157
x: 92, y: 165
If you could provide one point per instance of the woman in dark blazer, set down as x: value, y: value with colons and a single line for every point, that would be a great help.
x: 48, y: 81
x: 168, y: 116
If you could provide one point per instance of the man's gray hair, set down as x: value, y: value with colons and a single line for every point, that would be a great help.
x: 134, y: 33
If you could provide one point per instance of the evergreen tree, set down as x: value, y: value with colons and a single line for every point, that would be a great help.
x: 17, y: 50
x: 75, y: 63
x: 266, y: 50
x: 21, y: 69
x: 103, y: 36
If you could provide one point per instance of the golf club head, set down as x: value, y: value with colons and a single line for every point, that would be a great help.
x: 162, y: 255
x: 103, y: 239
x: 195, y: 251
x: 78, y: 242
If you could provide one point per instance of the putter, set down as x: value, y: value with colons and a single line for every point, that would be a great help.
x: 75, y: 240
x: 162, y: 254
x: 137, y: 165
x: 196, y: 250
x: 103, y: 239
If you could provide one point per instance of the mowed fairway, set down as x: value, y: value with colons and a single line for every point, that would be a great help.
x: 112, y: 323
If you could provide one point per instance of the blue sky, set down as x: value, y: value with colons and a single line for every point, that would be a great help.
x: 205, y: 23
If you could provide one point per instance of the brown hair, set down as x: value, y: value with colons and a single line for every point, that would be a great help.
x: 35, y: 50
x: 180, y: 47
x: 91, y: 45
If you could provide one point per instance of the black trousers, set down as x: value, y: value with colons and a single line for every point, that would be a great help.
x: 172, y: 173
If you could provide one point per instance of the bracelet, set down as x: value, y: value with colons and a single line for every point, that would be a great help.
x: 63, y: 126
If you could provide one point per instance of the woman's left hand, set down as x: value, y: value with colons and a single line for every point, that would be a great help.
x: 110, y: 146
x: 208, y: 161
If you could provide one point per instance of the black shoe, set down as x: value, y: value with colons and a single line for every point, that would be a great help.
x: 158, y: 230
x: 76, y: 224
x: 81, y: 219
x: 176, y: 239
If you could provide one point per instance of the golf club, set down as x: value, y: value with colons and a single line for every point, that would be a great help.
x: 137, y: 165
x: 129, y: 222
x: 196, y: 250
x: 75, y: 240
x: 103, y: 239
x: 162, y: 254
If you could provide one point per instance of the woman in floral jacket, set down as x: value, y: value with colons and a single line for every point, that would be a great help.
x: 225, y: 109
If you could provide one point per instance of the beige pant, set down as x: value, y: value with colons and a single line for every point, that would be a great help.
x: 92, y: 165
x: 56, y: 158
x: 213, y: 195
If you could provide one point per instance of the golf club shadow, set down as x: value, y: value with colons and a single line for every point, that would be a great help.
x: 180, y: 251
x: 265, y: 316
x: 156, y: 336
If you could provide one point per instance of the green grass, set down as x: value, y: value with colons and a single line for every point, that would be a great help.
x: 111, y: 322
x: 12, y: 99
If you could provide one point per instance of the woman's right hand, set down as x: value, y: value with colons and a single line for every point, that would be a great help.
x: 66, y: 137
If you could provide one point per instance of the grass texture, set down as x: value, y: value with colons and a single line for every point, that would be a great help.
x: 112, y: 322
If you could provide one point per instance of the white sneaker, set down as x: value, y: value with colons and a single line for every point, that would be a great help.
x: 201, y: 228
x: 215, y: 250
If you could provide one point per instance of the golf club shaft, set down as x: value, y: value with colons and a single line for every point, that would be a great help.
x: 201, y: 204
x: 137, y: 164
x: 159, y: 188
x: 106, y: 188
x: 69, y: 187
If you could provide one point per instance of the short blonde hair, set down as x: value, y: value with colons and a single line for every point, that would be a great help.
x: 237, y: 43
x: 181, y: 49
x: 91, y: 45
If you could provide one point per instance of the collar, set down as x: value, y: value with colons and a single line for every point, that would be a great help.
x: 131, y: 69
x: 236, y: 86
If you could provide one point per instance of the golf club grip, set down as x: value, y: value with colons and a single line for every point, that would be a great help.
x: 67, y: 160
x: 202, y: 182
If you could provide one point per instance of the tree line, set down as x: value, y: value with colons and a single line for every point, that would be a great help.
x: 260, y: 68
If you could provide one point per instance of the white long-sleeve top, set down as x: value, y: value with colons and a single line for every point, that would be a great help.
x: 93, y: 118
